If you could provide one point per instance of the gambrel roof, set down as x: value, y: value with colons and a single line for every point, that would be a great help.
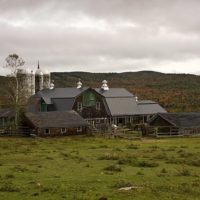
x: 118, y: 101
x: 114, y: 92
x: 60, y: 93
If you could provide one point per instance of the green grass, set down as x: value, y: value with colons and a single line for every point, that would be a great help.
x: 87, y: 168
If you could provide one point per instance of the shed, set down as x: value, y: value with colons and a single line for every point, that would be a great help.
x: 7, y: 116
x: 56, y: 123
x: 175, y: 123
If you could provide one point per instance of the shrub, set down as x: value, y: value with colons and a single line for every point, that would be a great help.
x: 154, y: 147
x: 66, y: 155
x: 183, y: 172
x: 133, y: 146
x: 109, y: 156
x: 163, y: 171
x: 160, y: 156
x: 113, y: 168
x: 124, y: 161
x: 117, y: 149
x: 103, y: 146
x: 147, y: 164
x: 20, y: 168
x: 140, y: 173
x: 9, y: 176
x: 9, y: 187
x: 195, y: 162
x: 122, y: 183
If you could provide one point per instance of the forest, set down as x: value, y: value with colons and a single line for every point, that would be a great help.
x: 175, y: 92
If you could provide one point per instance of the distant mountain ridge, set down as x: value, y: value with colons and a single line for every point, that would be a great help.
x: 176, y: 92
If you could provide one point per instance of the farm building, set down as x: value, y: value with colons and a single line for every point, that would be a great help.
x: 174, y: 124
x: 56, y: 123
x: 148, y: 108
x: 7, y: 116
x: 99, y: 107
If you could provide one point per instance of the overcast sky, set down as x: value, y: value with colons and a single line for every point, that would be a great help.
x: 102, y: 35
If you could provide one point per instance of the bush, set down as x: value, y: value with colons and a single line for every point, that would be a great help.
x: 9, y: 176
x: 122, y: 183
x: 9, y: 187
x: 113, y: 168
x: 109, y: 156
x: 195, y: 162
x: 133, y: 146
x: 183, y: 172
x: 147, y: 164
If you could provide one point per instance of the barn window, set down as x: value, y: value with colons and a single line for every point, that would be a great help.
x: 98, y: 121
x: 98, y: 105
x: 63, y: 130
x: 43, y: 106
x: 79, y: 129
x: 79, y: 106
x: 47, y: 131
x: 89, y: 99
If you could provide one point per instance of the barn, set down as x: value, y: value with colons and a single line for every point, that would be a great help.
x: 169, y: 124
x: 99, y: 107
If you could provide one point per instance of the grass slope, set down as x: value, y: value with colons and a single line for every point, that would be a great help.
x: 84, y: 168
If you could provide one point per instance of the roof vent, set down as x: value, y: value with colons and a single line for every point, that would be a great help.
x: 104, y: 85
x: 79, y: 84
x: 51, y: 87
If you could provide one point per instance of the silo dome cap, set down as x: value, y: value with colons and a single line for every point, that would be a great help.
x: 45, y: 71
x: 39, y: 72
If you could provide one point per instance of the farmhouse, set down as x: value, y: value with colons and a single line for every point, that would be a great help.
x: 174, y: 124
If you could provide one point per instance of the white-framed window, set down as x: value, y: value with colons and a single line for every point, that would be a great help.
x: 79, y: 106
x: 63, y: 130
x: 79, y: 129
x: 47, y: 131
x: 98, y: 105
x: 98, y: 121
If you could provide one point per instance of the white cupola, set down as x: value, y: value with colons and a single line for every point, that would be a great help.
x: 104, y: 85
x: 79, y: 84
x: 51, y: 86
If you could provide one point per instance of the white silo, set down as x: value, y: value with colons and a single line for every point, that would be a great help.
x: 46, y: 78
x: 39, y: 82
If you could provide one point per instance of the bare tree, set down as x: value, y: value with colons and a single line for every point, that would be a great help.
x: 14, y: 63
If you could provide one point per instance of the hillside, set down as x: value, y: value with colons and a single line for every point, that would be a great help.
x: 176, y: 92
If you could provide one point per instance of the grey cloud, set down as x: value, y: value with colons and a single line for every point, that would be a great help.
x: 70, y: 35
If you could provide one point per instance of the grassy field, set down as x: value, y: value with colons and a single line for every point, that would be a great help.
x: 84, y: 168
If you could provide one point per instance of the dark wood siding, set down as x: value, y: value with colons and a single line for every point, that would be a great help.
x: 57, y: 131
x: 158, y: 121
x: 91, y: 111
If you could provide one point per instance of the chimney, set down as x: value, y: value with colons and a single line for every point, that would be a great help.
x: 79, y: 84
x: 104, y: 85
